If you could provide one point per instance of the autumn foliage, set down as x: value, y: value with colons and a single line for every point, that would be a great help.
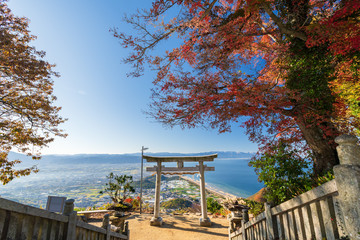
x: 285, y: 70
x: 28, y: 118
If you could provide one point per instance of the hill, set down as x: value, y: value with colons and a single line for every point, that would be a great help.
x: 178, y: 203
x: 149, y: 182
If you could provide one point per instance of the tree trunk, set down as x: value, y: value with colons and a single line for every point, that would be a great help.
x: 325, y: 153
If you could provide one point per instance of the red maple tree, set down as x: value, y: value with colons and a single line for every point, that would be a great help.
x: 277, y: 67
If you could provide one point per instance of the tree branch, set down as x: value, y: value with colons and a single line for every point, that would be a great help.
x: 281, y: 26
x: 207, y: 12
x: 265, y: 32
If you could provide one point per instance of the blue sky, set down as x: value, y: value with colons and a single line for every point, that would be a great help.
x: 104, y: 106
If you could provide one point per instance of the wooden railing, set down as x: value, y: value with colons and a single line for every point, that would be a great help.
x: 312, y: 215
x: 20, y: 222
x: 330, y: 211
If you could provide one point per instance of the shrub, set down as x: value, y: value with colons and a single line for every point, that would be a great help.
x: 128, y: 200
x: 105, y: 206
x: 118, y: 187
x: 255, y: 207
x: 213, y: 206
x: 286, y: 174
x: 136, y: 202
x: 283, y: 172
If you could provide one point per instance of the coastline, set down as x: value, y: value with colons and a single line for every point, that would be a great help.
x: 210, y: 189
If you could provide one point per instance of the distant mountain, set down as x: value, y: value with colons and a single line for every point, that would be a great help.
x: 221, y: 154
x: 14, y: 155
x: 115, y: 158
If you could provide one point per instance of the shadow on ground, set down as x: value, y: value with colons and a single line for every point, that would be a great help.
x: 195, y: 228
x: 174, y: 226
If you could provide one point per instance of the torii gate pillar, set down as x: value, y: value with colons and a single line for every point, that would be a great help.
x: 204, y: 221
x: 156, y: 220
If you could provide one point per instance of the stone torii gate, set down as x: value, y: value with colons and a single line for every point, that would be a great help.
x: 159, y: 169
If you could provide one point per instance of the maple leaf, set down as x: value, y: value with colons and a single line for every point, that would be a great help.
x: 277, y: 67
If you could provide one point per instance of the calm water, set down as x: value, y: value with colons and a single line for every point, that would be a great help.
x: 233, y: 176
x: 83, y: 181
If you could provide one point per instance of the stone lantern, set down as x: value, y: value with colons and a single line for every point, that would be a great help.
x: 238, y: 213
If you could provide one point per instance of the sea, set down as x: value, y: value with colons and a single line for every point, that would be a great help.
x: 82, y: 180
x: 234, y: 176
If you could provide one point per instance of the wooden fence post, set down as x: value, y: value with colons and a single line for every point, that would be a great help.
x: 244, y: 220
x: 269, y: 222
x: 69, y: 211
x: 347, y: 177
x: 106, y: 225
x: 127, y: 231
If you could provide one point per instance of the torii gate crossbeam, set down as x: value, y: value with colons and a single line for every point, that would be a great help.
x: 201, y: 168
